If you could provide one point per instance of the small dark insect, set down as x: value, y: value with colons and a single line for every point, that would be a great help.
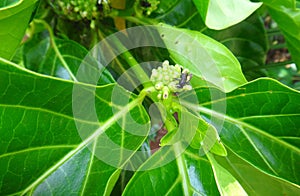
x: 184, y: 79
x: 145, y: 4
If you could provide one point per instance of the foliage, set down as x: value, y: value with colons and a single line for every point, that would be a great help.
x: 78, y: 119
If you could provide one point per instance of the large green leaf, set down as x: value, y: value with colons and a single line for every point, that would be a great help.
x: 260, y: 128
x: 188, y: 174
x: 260, y: 125
x: 40, y: 56
x: 179, y: 13
x: 247, y: 40
x: 191, y: 174
x: 255, y: 181
x: 227, y: 184
x: 14, y: 19
x: 203, y: 56
x: 219, y: 14
x: 43, y: 149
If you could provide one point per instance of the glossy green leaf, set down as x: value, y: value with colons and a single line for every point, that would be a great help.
x: 40, y: 56
x: 226, y: 183
x: 14, y: 19
x: 205, y: 136
x: 188, y: 174
x: 5, y: 3
x: 180, y: 14
x: 219, y: 14
x: 255, y: 128
x: 247, y: 40
x: 203, y: 56
x: 279, y: 3
x: 213, y: 143
x: 253, y: 180
x: 191, y: 173
x: 260, y: 125
x: 41, y: 150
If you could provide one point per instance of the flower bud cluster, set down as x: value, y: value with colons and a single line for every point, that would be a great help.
x: 169, y: 79
x: 79, y: 9
x: 149, y: 5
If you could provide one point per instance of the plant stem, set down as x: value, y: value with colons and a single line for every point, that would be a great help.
x: 55, y: 48
x: 278, y: 46
x: 139, y: 72
x: 271, y: 65
x: 274, y: 32
x: 141, y: 21
x: 132, y: 17
x: 137, y: 69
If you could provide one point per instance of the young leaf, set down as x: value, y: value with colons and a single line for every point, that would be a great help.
x: 219, y: 14
x: 247, y: 40
x: 14, y: 19
x: 203, y: 56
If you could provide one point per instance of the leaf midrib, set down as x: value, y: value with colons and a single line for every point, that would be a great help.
x: 36, y: 148
x: 244, y: 124
x: 85, y: 142
x: 49, y: 112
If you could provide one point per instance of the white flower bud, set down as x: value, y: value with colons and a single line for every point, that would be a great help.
x: 159, y: 96
x: 165, y: 63
x: 165, y: 92
x: 166, y: 78
x: 159, y: 86
x: 187, y: 87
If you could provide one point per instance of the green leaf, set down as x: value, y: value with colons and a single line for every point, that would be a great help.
x: 219, y: 14
x: 188, y: 174
x: 179, y: 13
x: 203, y: 56
x: 226, y: 183
x: 247, y: 40
x: 191, y: 173
x: 254, y: 128
x: 254, y: 181
x: 43, y: 149
x: 279, y: 3
x: 259, y: 125
x: 207, y: 137
x: 40, y: 56
x: 6, y: 3
x: 14, y: 19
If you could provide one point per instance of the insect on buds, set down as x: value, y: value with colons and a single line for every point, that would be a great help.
x: 170, y: 79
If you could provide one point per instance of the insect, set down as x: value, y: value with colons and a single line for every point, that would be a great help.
x: 145, y: 4
x: 184, y: 79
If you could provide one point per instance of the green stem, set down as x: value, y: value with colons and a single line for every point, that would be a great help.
x: 271, y: 65
x: 137, y: 69
x: 55, y: 48
x: 133, y: 16
x: 139, y: 72
x: 278, y: 46
x: 274, y: 32
x: 141, y: 20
